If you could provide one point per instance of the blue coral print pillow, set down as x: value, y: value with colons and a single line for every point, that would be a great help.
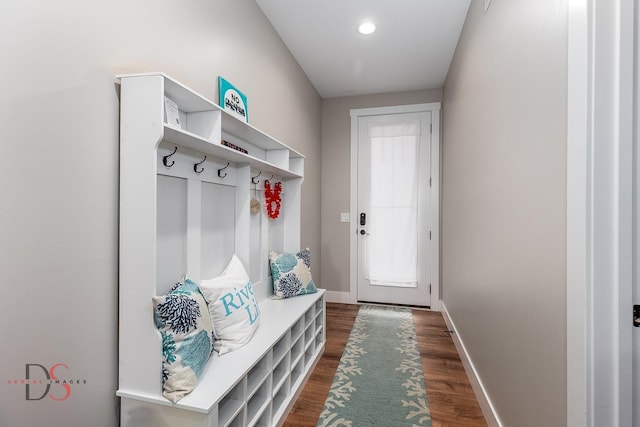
x: 182, y: 317
x: 291, y: 274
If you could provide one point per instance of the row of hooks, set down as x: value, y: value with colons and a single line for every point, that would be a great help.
x: 254, y: 179
x: 199, y: 170
x: 196, y: 169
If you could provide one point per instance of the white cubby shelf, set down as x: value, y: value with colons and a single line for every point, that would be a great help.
x: 184, y: 210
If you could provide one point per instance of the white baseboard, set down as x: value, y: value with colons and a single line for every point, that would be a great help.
x: 484, y: 401
x: 341, y: 297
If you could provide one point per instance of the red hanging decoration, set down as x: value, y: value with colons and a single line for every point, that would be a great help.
x: 272, y: 199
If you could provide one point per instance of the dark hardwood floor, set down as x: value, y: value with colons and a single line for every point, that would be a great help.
x: 449, y: 393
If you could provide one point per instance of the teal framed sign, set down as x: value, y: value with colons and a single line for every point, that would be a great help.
x: 232, y: 100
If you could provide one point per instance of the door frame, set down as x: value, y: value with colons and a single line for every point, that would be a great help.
x: 434, y: 109
x: 601, y: 126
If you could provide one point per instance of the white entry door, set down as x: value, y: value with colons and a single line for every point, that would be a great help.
x: 393, y: 208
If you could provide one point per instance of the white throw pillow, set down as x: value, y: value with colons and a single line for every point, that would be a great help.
x: 233, y: 307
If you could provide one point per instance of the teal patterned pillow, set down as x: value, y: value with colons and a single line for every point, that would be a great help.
x: 182, y: 317
x: 291, y: 274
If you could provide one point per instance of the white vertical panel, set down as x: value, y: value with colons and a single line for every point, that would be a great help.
x: 242, y: 214
x: 194, y: 214
x: 218, y: 228
x: 276, y: 235
x: 290, y: 215
x: 265, y: 289
x: 171, y: 232
x: 600, y: 260
x: 578, y: 141
x: 139, y: 361
x: 255, y: 243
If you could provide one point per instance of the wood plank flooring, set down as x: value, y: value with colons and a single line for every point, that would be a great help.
x: 450, y: 396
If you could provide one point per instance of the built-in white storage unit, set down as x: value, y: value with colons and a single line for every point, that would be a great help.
x: 185, y: 209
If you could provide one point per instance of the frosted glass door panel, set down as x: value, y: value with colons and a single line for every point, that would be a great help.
x: 392, y: 246
x: 171, y: 231
x: 218, y: 228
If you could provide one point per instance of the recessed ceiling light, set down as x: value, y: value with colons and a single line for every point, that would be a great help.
x: 367, y: 28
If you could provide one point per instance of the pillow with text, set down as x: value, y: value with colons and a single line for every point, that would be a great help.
x: 233, y: 307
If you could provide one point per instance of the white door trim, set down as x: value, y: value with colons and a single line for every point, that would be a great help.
x: 600, y: 131
x: 578, y: 170
x: 434, y: 109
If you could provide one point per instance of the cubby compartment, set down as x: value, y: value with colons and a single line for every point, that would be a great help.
x: 231, y: 405
x: 319, y: 322
x: 297, y: 350
x: 296, y: 165
x: 258, y: 403
x: 263, y: 421
x: 280, y: 374
x: 297, y: 372
x: 309, y: 352
x: 309, y: 316
x: 238, y: 421
x: 281, y: 347
x: 279, y: 405
x: 309, y: 334
x: 190, y: 114
x: 297, y: 329
x: 258, y: 373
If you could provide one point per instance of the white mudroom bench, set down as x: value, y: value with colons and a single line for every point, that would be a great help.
x: 185, y: 193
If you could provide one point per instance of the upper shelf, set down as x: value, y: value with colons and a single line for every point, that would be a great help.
x: 195, y: 142
x: 204, y: 125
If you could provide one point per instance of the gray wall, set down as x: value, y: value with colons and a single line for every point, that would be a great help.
x: 336, y: 146
x: 59, y: 213
x: 504, y: 204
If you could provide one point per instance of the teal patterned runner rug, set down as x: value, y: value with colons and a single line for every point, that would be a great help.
x: 379, y: 381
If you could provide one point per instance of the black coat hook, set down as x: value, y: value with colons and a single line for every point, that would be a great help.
x: 254, y: 180
x: 221, y: 169
x: 166, y: 158
x: 195, y: 167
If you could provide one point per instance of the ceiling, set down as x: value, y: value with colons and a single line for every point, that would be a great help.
x: 411, y: 49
